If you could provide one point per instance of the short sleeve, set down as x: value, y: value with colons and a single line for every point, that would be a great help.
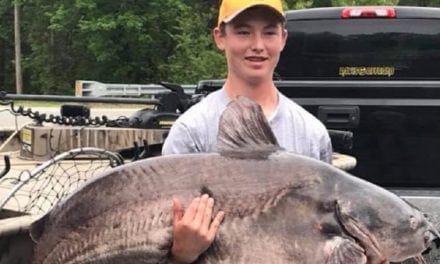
x: 179, y: 141
x: 326, y: 150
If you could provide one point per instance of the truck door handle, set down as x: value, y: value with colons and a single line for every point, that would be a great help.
x: 339, y: 116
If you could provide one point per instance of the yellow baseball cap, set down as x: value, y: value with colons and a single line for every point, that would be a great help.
x: 231, y: 8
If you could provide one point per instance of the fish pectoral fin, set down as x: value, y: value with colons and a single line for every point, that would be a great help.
x: 344, y: 251
x: 361, y: 233
x: 37, y: 227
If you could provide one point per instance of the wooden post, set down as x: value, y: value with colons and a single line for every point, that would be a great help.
x: 18, y: 75
x: 78, y: 88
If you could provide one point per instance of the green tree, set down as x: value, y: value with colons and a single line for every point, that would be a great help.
x: 110, y: 41
x: 195, y: 56
x: 130, y: 41
x: 431, y: 3
x: 7, y: 77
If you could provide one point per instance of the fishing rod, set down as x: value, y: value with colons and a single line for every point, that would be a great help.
x: 73, y: 99
x: 167, y: 107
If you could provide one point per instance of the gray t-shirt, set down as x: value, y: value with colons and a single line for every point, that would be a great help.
x: 296, y: 129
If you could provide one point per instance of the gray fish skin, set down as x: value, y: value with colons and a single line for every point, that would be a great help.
x: 279, y: 208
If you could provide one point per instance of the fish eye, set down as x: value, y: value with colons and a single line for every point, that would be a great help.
x: 412, y: 222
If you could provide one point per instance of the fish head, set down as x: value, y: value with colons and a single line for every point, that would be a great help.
x: 410, y: 235
x: 388, y: 229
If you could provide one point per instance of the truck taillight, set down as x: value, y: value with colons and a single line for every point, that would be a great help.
x: 366, y: 12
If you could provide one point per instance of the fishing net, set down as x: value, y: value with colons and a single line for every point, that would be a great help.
x: 35, y: 191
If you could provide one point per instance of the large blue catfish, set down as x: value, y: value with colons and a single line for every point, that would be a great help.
x: 279, y: 208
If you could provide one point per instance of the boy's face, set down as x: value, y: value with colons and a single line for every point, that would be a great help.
x: 252, y: 43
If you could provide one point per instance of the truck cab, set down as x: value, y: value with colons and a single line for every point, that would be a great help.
x: 373, y: 71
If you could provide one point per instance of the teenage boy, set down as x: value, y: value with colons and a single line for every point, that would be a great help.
x: 252, y: 35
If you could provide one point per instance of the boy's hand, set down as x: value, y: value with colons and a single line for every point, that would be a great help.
x: 193, y: 231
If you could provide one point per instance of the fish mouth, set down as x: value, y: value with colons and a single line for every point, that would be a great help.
x: 437, y: 242
x: 432, y: 235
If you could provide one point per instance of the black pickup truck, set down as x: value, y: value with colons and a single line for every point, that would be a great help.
x: 374, y: 71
